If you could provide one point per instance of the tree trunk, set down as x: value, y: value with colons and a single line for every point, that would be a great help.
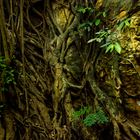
x: 59, y: 78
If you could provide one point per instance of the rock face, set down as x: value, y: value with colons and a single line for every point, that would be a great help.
x: 129, y: 64
x: 129, y: 60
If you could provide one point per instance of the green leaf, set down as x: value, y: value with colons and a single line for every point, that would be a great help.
x: 83, y: 25
x: 97, y: 22
x: 81, y: 10
x: 99, y: 39
x: 90, y: 23
x: 120, y: 26
x: 104, y: 14
x: 91, y: 40
x: 2, y: 65
x: 95, y: 39
x: 89, y: 120
x: 104, y: 45
x: 117, y: 47
x: 109, y: 48
x: 89, y: 9
x: 127, y: 23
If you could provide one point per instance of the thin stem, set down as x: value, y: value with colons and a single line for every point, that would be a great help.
x: 22, y: 51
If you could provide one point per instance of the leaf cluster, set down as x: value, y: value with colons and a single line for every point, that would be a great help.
x: 7, y: 74
x: 111, y: 41
x: 100, y: 36
x: 88, y: 118
x: 96, y: 118
x: 92, y: 17
x: 83, y: 111
x: 110, y: 47
x: 84, y: 10
x: 104, y: 36
x: 123, y: 24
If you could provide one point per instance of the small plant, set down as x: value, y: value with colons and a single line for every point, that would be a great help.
x: 7, y: 74
x: 86, y: 25
x: 88, y: 118
x: 89, y: 12
x: 123, y: 24
x: 97, y: 22
x: 100, y: 36
x: 96, y: 118
x: 84, y: 10
x: 111, y: 41
x: 104, y: 35
x: 79, y: 114
x: 112, y: 46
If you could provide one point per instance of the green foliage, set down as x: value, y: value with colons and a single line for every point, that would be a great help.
x: 84, y: 10
x: 88, y: 118
x: 81, y: 112
x: 100, y: 36
x: 104, y: 14
x: 112, y: 46
x: 90, y: 12
x: 7, y: 74
x: 2, y: 63
x: 111, y: 41
x: 96, y: 118
x: 123, y: 24
x: 97, y: 22
x: 104, y: 36
x: 86, y: 25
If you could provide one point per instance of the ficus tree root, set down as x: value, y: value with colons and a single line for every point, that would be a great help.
x: 57, y: 74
